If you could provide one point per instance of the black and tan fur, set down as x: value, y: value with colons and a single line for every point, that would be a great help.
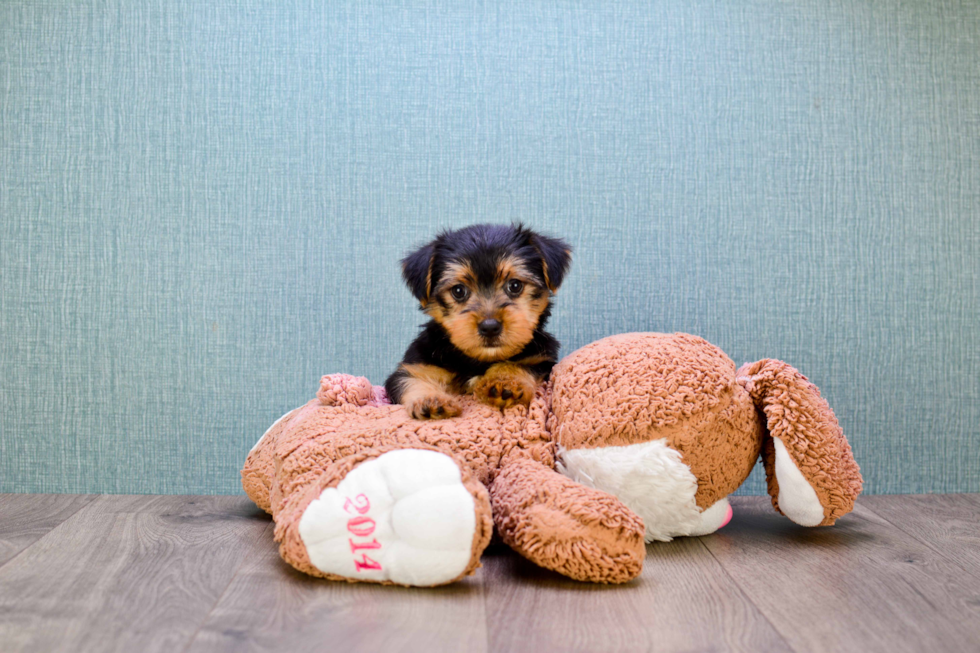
x: 480, y: 275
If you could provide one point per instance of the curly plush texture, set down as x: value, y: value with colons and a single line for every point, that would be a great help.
x: 802, y: 419
x: 337, y: 389
x: 314, y: 447
x: 621, y: 391
x: 638, y: 387
x: 559, y: 524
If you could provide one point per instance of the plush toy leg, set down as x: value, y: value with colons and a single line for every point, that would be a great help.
x: 564, y: 526
x: 716, y: 516
x: 259, y: 467
x: 651, y: 479
x: 405, y: 517
x: 335, y: 390
x: 812, y: 476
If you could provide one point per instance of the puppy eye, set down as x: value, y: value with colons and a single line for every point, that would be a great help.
x: 459, y: 292
x: 514, y: 287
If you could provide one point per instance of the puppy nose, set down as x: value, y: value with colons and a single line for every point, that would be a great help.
x: 490, y: 327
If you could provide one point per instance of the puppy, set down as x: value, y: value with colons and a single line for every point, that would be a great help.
x: 487, y: 289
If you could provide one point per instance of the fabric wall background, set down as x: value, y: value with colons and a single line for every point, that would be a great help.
x: 203, y: 204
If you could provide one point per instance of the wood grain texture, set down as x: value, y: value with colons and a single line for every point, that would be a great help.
x: 155, y: 573
x: 683, y: 601
x: 862, y: 585
x: 25, y: 518
x: 126, y: 574
x: 270, y: 606
x: 947, y: 523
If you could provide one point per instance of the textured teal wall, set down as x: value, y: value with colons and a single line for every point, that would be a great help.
x: 203, y: 204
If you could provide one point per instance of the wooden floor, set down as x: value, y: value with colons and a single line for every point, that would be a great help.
x: 164, y: 573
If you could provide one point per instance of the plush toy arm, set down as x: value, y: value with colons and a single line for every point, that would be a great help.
x: 339, y: 389
x: 811, y: 473
x: 564, y: 526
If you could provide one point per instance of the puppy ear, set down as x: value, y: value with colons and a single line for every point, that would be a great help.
x: 417, y: 272
x: 556, y: 255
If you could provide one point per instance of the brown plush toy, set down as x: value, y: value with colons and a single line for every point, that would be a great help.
x: 634, y: 438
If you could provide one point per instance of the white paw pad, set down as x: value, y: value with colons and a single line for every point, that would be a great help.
x: 404, y: 516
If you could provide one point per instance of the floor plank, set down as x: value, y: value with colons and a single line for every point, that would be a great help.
x: 270, y: 606
x: 683, y: 601
x: 25, y: 518
x: 862, y: 585
x: 947, y: 523
x: 126, y: 574
x: 165, y: 573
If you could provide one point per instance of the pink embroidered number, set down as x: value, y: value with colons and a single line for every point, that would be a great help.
x: 355, y: 546
x: 361, y: 526
x: 366, y: 563
x: 360, y: 504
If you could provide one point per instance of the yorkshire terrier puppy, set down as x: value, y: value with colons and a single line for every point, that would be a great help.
x: 487, y: 289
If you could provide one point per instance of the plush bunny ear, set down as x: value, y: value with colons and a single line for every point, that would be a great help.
x: 417, y: 272
x: 556, y: 255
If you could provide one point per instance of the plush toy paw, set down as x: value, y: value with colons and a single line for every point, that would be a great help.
x: 712, y: 518
x: 404, y: 517
x: 339, y: 389
x: 504, y: 385
x: 434, y: 406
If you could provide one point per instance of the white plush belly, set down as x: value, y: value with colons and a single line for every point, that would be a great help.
x: 649, y: 478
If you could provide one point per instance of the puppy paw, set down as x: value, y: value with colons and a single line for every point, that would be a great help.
x: 434, y: 406
x: 504, y: 385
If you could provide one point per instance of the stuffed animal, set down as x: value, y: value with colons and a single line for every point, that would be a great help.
x: 634, y: 438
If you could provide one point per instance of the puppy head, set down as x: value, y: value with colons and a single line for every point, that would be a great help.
x: 488, y: 285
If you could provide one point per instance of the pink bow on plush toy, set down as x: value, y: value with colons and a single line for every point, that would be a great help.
x: 634, y: 438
